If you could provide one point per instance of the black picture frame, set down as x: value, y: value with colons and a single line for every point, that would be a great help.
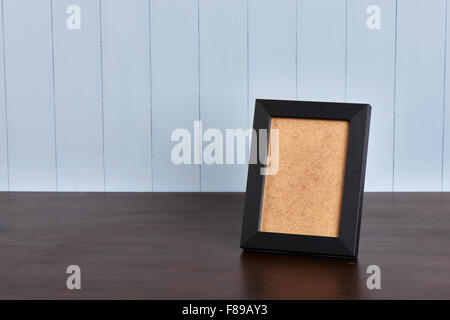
x: 347, y: 243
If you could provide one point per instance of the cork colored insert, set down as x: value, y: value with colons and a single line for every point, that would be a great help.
x: 305, y: 196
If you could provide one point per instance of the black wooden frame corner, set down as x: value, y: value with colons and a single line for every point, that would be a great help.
x: 344, y: 246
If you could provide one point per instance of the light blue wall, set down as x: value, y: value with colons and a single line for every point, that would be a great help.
x: 78, y: 99
x: 126, y: 95
x: 419, y: 96
x: 93, y: 109
x: 30, y: 95
x: 371, y: 77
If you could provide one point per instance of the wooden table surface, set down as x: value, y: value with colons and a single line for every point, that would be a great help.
x: 186, y: 246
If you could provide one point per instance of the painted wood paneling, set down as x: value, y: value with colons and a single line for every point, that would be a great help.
x: 175, y: 89
x: 29, y: 91
x: 370, y: 79
x: 78, y: 101
x: 446, y: 112
x: 321, y: 50
x: 272, y: 51
x: 419, y: 95
x: 4, y: 185
x: 223, y: 83
x: 126, y: 95
x: 94, y: 109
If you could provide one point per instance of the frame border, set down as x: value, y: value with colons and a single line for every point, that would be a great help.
x: 344, y: 246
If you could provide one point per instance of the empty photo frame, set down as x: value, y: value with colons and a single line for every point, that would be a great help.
x: 311, y: 201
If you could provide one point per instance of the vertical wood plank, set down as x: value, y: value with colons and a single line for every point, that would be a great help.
x: 223, y: 83
x: 272, y: 51
x: 446, y: 142
x: 29, y: 91
x: 175, y: 89
x: 4, y: 185
x: 126, y: 94
x: 419, y: 95
x: 321, y: 50
x: 370, y: 79
x: 78, y: 102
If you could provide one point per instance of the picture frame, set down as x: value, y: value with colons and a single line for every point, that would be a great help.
x: 345, y: 244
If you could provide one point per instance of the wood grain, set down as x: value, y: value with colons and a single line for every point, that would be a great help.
x: 175, y: 246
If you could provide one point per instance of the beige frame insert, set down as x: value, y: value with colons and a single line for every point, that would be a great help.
x: 305, y: 196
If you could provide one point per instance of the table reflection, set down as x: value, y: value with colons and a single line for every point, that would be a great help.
x: 280, y: 276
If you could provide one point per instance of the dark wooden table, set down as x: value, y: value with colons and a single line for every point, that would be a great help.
x: 186, y: 246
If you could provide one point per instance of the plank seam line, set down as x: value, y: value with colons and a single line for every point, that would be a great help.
x: 5, y: 99
x: 346, y: 51
x: 395, y: 94
x: 152, y: 154
x: 296, y: 49
x: 199, y: 94
x: 248, y: 67
x: 54, y: 93
x: 444, y: 97
x: 102, y: 94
